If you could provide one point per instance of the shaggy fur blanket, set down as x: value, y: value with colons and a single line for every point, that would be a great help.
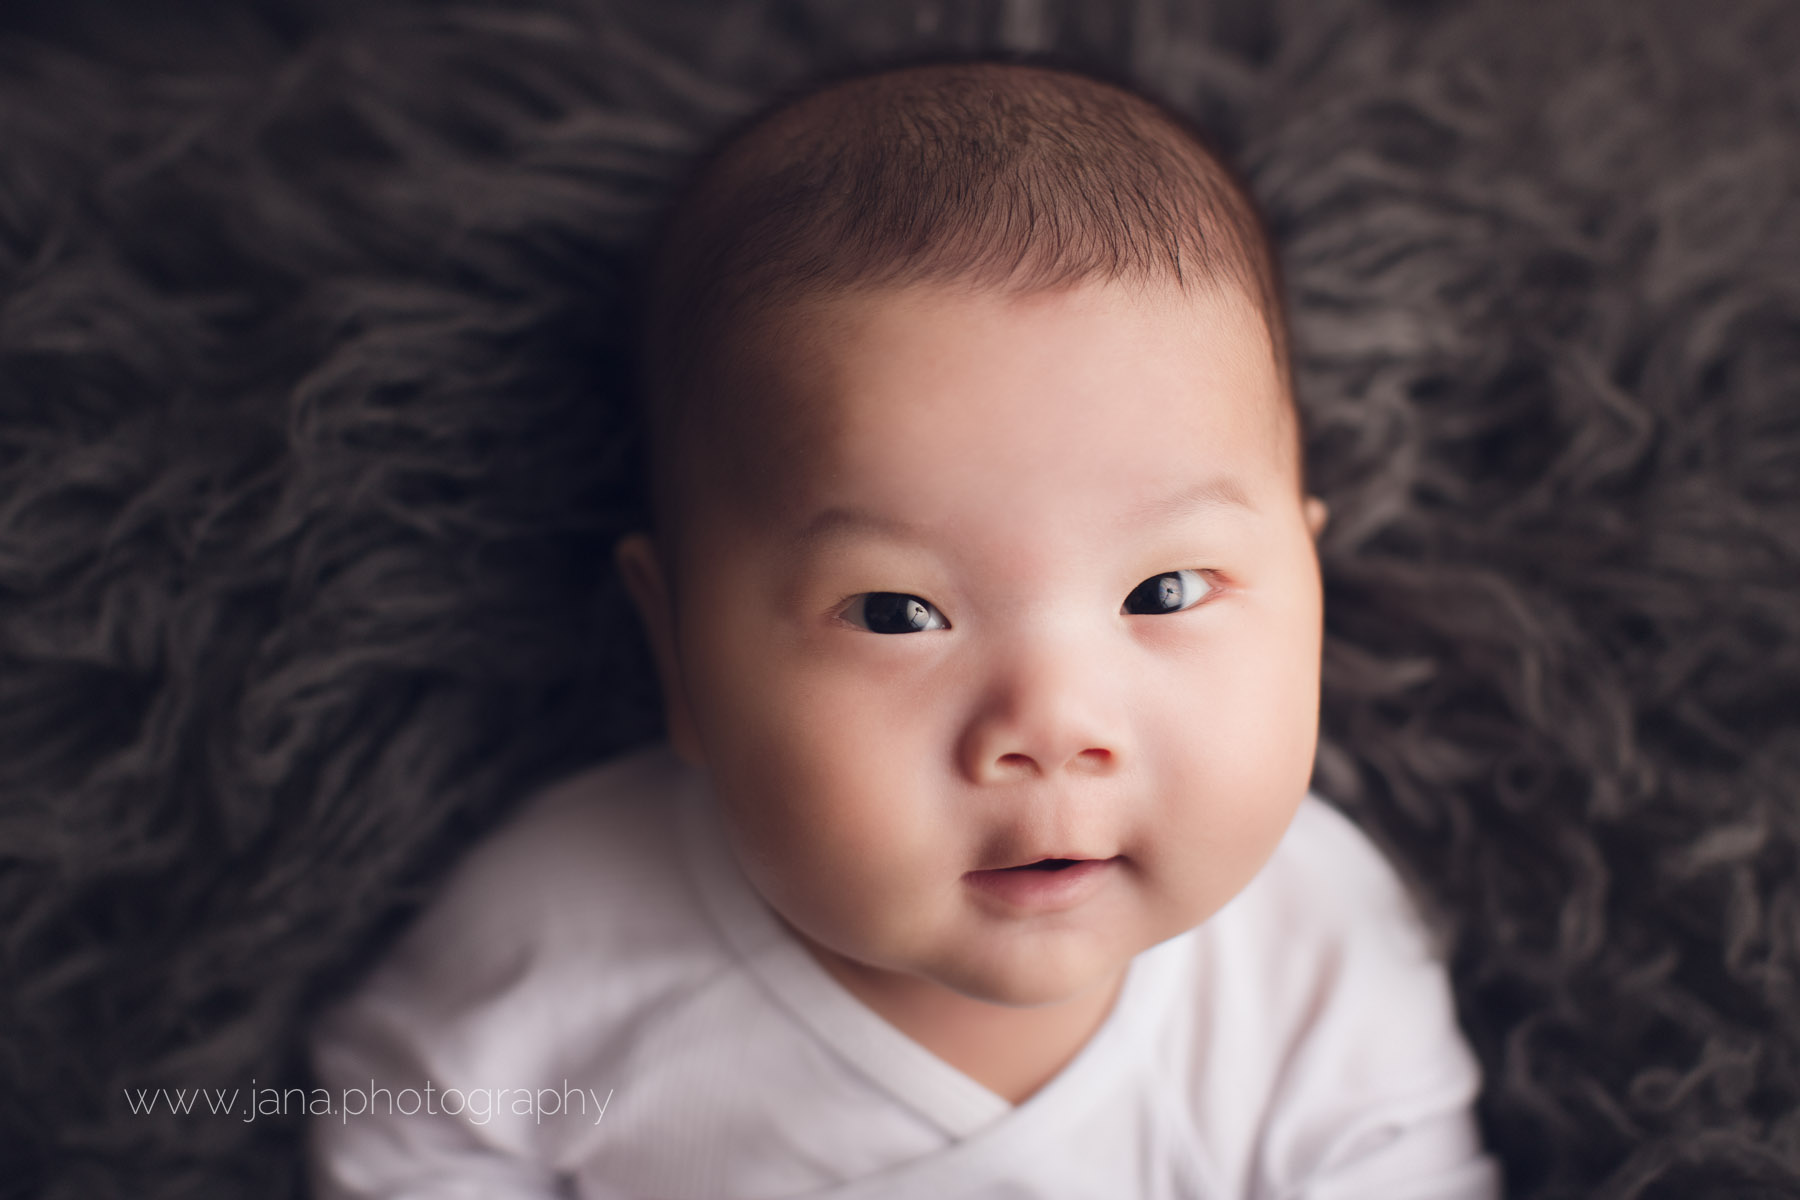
x: 315, y: 435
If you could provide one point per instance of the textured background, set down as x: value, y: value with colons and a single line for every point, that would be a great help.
x: 313, y: 442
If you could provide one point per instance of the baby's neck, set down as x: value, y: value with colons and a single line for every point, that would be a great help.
x: 1010, y: 1051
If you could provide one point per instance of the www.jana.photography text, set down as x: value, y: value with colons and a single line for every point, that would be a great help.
x: 478, y: 1105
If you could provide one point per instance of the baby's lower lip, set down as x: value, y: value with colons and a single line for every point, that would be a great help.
x: 1035, y: 889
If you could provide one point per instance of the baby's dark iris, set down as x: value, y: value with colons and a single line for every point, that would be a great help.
x: 892, y: 612
x: 1158, y: 594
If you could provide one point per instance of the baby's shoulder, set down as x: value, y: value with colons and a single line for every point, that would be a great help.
x: 607, y: 826
x: 581, y: 855
x: 1324, y: 1018
x: 586, y: 878
x: 1326, y: 957
x: 1328, y: 882
x: 541, y: 948
x: 1324, y: 933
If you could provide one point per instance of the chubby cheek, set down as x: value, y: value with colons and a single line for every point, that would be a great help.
x: 1245, y: 745
x: 826, y: 788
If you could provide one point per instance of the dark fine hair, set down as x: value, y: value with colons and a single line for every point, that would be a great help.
x: 987, y: 173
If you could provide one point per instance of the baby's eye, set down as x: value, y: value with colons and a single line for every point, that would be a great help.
x: 1169, y: 592
x: 893, y: 612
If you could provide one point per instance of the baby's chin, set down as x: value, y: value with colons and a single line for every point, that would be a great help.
x: 1031, y: 977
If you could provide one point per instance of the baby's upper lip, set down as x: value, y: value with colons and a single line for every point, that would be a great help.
x: 1010, y: 861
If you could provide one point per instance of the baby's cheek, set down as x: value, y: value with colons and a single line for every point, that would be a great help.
x: 1265, y: 709
x: 1237, y: 766
x: 827, y: 812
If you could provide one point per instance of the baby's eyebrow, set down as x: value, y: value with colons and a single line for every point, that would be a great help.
x: 839, y: 521
x: 1222, y: 491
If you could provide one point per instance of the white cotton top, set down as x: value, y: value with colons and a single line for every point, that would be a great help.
x: 603, y: 945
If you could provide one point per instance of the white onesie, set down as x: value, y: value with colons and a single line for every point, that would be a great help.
x: 601, y: 1006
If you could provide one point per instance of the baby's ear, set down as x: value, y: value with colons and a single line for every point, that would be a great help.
x: 642, y: 570
x: 1316, y: 515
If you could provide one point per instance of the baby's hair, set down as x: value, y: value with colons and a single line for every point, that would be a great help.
x: 1020, y: 177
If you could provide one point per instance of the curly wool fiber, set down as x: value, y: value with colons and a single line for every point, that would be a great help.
x: 314, y: 439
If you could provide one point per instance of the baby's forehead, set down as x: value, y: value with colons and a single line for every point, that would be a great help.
x: 798, y: 370
x: 789, y: 359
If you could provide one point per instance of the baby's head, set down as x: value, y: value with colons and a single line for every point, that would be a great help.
x: 981, y: 540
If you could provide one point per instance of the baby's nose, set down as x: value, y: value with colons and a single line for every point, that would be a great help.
x: 1045, y: 713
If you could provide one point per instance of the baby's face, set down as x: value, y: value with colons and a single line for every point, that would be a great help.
x: 1040, y: 587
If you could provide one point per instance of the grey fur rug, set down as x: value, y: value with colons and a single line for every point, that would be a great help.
x: 313, y: 442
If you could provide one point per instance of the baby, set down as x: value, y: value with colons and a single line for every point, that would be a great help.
x: 981, y: 860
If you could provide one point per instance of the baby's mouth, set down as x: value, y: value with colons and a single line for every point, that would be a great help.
x: 1043, y: 885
